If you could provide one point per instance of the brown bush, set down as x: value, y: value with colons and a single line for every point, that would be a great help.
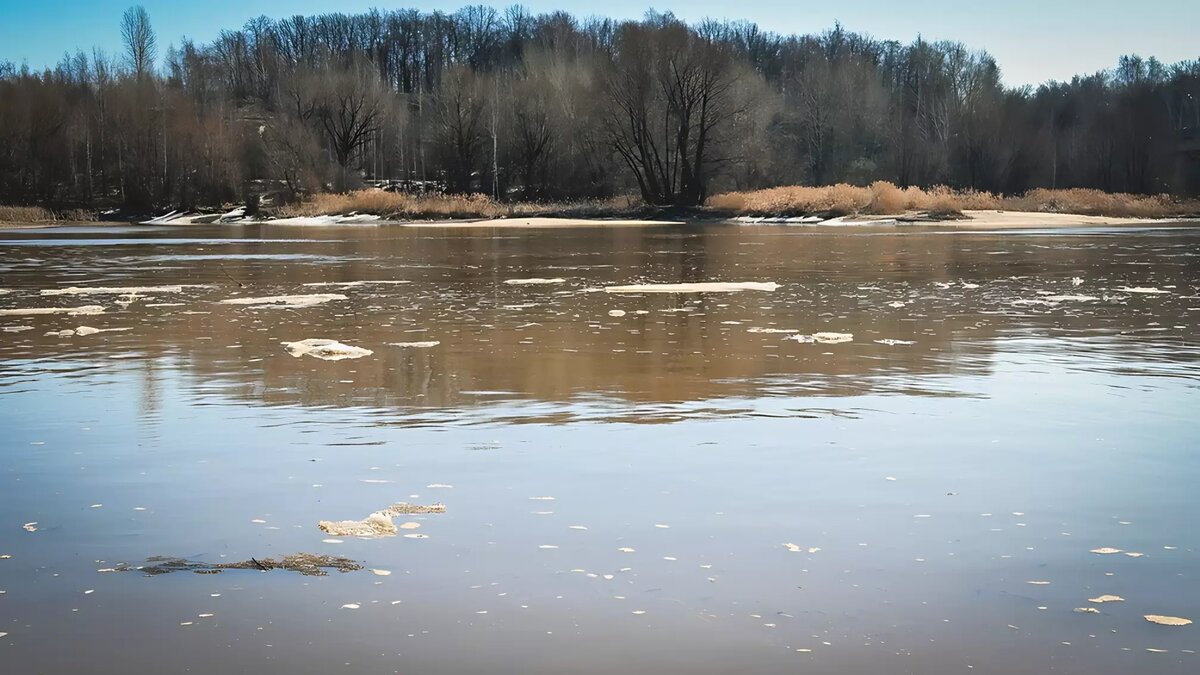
x: 884, y: 198
x: 38, y: 214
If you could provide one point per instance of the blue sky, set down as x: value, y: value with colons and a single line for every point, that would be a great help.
x: 1033, y: 40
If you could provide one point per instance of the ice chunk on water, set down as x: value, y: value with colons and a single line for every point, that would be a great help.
x: 286, y: 300
x: 120, y: 290
x: 329, y: 350
x: 37, y: 311
x: 534, y: 282
x: 698, y: 287
x: 378, y: 524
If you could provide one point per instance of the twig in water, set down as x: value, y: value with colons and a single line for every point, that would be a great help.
x: 230, y: 276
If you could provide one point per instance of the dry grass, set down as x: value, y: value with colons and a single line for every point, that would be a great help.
x: 38, y: 214
x: 400, y: 206
x: 883, y: 198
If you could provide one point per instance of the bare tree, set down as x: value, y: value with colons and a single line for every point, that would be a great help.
x: 670, y: 90
x: 141, y: 45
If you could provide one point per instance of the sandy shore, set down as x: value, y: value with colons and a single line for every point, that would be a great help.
x: 1024, y: 219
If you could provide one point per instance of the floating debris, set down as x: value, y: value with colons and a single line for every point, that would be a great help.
x: 30, y: 527
x: 379, y: 523
x: 891, y: 343
x: 1106, y: 598
x: 616, y: 312
x: 328, y: 350
x: 306, y: 564
x: 1168, y: 620
x: 700, y: 287
x: 1038, y: 583
x: 796, y: 548
x: 1144, y: 290
x: 351, y: 605
x: 416, y: 345
x: 1105, y: 550
x: 286, y: 300
x: 382, y: 573
x: 87, y: 310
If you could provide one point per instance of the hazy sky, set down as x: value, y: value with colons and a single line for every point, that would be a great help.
x: 1033, y: 40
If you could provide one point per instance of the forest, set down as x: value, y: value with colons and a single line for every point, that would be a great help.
x: 542, y: 107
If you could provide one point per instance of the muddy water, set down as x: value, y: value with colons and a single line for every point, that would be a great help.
x: 644, y: 482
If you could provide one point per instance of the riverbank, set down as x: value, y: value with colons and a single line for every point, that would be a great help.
x: 880, y: 203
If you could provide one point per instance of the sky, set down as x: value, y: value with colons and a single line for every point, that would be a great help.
x: 1032, y: 40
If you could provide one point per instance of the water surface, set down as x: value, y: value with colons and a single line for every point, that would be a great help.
x: 1010, y: 401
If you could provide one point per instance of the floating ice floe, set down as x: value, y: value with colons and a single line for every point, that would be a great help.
x: 1145, y: 290
x: 1106, y: 598
x: 698, y: 287
x: 84, y: 331
x: 1168, y: 620
x: 1105, y: 550
x: 286, y: 300
x: 796, y: 548
x: 783, y: 331
x: 328, y: 350
x: 891, y: 342
x: 534, y: 282
x: 616, y: 313
x: 1086, y: 610
x: 355, y: 284
x: 378, y: 524
x: 823, y: 338
x: 85, y: 310
x: 120, y: 290
x: 416, y: 345
x: 1070, y: 298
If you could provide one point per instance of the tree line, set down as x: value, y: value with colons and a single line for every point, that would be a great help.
x: 550, y: 107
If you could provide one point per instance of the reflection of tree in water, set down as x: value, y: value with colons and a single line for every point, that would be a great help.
x: 558, y: 343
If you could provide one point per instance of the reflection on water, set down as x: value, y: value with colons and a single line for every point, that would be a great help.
x: 1009, y: 402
